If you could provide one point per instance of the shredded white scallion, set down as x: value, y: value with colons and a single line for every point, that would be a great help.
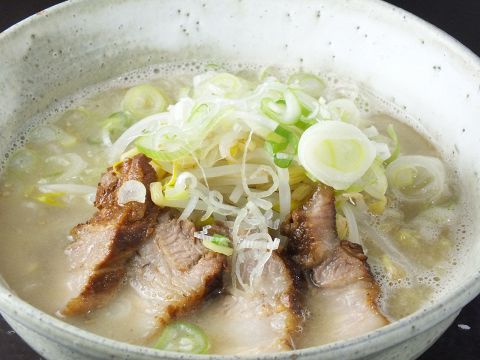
x: 227, y: 144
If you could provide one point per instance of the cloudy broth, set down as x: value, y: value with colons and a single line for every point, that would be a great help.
x: 35, y: 228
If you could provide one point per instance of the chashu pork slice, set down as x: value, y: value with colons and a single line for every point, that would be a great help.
x: 346, y: 295
x: 311, y: 229
x: 345, y: 292
x: 263, y: 319
x: 171, y: 274
x: 103, y: 245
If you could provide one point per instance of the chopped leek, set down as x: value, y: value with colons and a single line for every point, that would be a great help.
x: 416, y: 178
x: 156, y: 192
x: 202, y: 119
x: 396, y: 144
x: 374, y: 181
x: 221, y: 84
x: 336, y: 153
x: 246, y: 155
x: 218, y: 243
x: 173, y: 193
x: 184, y: 337
x: 309, y: 83
x: 143, y: 100
x: 116, y: 124
x: 80, y: 123
x: 285, y: 110
x: 23, y: 161
x: 163, y: 146
x: 49, y: 133
x: 344, y: 110
x: 159, y: 198
x: 64, y: 167
x: 176, y: 189
x: 282, y: 144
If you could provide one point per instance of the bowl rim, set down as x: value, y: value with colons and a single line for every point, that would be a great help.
x: 388, y: 336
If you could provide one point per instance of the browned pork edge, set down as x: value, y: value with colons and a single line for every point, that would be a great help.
x: 293, y: 299
x: 103, y: 245
x: 314, y: 245
x: 214, y: 265
x: 346, y: 265
x: 186, y: 257
x: 311, y: 229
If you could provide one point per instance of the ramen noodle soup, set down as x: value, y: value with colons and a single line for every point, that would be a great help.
x: 228, y: 210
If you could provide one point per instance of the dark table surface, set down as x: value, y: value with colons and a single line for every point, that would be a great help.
x: 458, y: 18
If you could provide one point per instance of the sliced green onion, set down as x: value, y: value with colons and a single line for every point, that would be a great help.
x: 164, y: 145
x: 310, y: 108
x: 376, y: 184
x: 283, y: 160
x: 49, y: 133
x: 276, y: 141
x: 156, y: 193
x: 143, y: 100
x: 218, y: 243
x: 117, y: 123
x: 396, y: 143
x: 203, y: 118
x: 79, y: 122
x: 282, y: 144
x: 373, y: 182
x: 285, y: 111
x: 336, y: 153
x: 416, y: 178
x: 23, y: 161
x: 304, y: 124
x: 172, y: 193
x: 63, y: 167
x: 269, y: 71
x: 176, y: 189
x: 309, y: 83
x: 222, y: 84
x: 183, y: 337
x: 344, y: 110
x: 159, y: 198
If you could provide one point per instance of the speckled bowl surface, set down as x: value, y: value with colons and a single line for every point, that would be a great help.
x: 405, y: 60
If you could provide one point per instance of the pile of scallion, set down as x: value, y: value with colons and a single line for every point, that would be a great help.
x: 247, y: 153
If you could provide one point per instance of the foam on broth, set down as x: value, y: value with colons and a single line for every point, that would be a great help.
x: 34, y: 235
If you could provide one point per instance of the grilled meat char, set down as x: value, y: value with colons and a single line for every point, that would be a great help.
x: 103, y: 245
x: 346, y: 288
x: 261, y: 319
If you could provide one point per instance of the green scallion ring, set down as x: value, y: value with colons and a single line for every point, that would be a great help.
x: 183, y: 337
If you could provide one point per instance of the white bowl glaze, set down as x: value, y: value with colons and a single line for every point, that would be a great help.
x: 405, y: 60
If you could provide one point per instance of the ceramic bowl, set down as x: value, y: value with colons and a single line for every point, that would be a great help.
x: 416, y: 67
